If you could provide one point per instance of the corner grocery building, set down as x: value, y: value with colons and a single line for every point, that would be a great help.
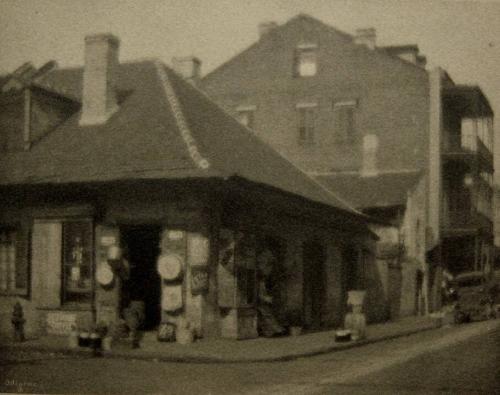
x: 132, y: 155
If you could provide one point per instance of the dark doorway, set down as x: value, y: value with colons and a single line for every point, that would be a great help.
x: 142, y: 242
x: 314, y: 257
x: 349, y: 271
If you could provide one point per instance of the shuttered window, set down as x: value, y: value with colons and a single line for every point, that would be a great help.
x: 62, y: 262
x: 344, y: 121
x: 306, y: 123
x: 14, y: 260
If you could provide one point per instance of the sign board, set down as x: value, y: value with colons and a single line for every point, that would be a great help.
x: 107, y: 241
x: 198, y: 249
x: 60, y: 323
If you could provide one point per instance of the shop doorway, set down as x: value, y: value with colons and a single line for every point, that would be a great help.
x: 314, y: 257
x: 142, y: 243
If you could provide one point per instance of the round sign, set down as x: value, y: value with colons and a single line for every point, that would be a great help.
x: 104, y: 274
x: 172, y: 298
x: 170, y: 266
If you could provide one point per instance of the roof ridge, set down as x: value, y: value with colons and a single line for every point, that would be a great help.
x: 180, y: 120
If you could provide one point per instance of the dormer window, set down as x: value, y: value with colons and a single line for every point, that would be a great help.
x: 246, y: 115
x: 306, y: 60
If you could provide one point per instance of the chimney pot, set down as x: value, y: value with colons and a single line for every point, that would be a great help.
x: 367, y: 37
x: 99, y: 78
x: 266, y: 27
x: 370, y: 149
x: 189, y: 68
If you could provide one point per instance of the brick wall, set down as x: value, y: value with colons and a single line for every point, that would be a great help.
x: 392, y: 95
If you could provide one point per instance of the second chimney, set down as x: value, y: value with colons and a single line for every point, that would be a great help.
x: 370, y: 148
x: 367, y: 37
x: 266, y: 27
x: 189, y: 68
x: 99, y: 79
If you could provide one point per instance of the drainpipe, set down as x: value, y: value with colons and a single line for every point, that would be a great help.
x: 27, y: 120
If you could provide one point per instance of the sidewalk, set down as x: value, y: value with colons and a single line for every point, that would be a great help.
x: 237, y: 351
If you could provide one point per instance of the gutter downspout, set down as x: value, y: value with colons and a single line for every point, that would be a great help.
x: 27, y: 120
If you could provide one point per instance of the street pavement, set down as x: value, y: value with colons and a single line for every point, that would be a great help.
x: 458, y: 360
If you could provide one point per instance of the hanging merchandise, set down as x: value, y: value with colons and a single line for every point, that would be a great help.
x: 172, y: 298
x: 199, y: 279
x: 104, y: 274
x: 169, y: 266
x: 166, y: 332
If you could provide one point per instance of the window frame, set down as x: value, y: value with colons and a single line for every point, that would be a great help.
x: 306, y: 126
x: 305, y: 49
x: 88, y: 293
x: 347, y: 135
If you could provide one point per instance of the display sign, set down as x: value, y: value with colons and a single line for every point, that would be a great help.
x: 175, y: 234
x: 60, y: 323
x: 170, y: 266
x: 199, y: 279
x: 198, y: 249
x: 107, y: 241
x: 104, y: 274
x: 172, y: 298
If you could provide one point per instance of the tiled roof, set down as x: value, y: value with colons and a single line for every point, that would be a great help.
x: 383, y: 190
x: 164, y: 129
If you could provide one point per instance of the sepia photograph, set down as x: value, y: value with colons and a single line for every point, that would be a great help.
x: 249, y: 197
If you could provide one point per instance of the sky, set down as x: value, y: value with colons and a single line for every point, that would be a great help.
x: 463, y: 37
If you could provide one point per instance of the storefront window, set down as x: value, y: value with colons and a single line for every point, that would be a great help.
x: 77, y: 261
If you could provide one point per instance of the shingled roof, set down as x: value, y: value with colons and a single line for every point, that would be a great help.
x: 383, y: 190
x: 165, y: 129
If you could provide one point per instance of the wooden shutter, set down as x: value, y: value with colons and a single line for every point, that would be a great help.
x: 226, y: 275
x: 22, y: 260
x: 46, y: 264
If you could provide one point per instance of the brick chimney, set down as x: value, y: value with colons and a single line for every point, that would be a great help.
x: 366, y: 37
x: 266, y: 27
x: 189, y: 68
x: 99, y: 79
x: 370, y: 149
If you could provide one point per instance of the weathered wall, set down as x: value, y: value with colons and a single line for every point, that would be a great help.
x: 401, y: 255
x: 174, y: 209
x: 392, y: 95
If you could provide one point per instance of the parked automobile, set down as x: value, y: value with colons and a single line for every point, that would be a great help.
x: 474, y: 295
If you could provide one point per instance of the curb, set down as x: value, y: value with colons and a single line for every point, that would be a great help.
x: 219, y: 360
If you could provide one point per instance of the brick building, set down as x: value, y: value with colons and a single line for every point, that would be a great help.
x: 405, y: 144
x: 129, y: 157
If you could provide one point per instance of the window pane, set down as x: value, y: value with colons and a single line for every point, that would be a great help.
x: 77, y: 261
x: 306, y: 64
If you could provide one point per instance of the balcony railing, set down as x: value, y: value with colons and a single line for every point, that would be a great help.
x: 466, y: 220
x: 474, y: 136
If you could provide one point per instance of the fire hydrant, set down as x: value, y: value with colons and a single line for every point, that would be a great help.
x: 18, y: 322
